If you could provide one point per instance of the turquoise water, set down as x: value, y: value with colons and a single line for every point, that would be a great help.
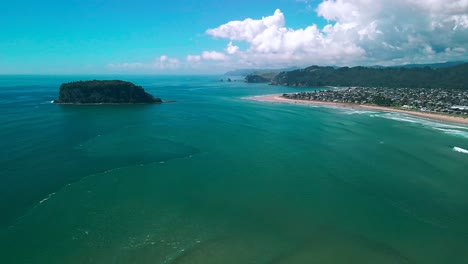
x: 215, y: 178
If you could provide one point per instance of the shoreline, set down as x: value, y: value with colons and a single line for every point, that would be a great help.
x: 277, y: 98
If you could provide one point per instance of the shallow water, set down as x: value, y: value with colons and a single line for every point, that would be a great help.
x: 214, y: 178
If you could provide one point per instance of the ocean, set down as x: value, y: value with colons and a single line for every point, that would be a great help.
x: 216, y: 178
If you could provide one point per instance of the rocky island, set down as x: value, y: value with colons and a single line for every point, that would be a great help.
x: 104, y: 92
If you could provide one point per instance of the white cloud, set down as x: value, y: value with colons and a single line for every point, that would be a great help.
x: 248, y: 29
x: 271, y: 42
x: 207, y: 56
x: 163, y: 58
x: 213, y: 55
x: 126, y: 65
x: 307, y: 3
x: 193, y: 58
x: 358, y: 32
x: 162, y: 63
x: 231, y: 49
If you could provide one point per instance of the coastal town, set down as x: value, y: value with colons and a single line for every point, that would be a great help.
x: 445, y: 101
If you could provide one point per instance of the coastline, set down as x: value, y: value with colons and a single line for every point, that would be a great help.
x: 277, y: 98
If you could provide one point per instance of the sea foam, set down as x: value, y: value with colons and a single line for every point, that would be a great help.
x: 457, y: 149
x: 454, y: 130
x: 359, y: 112
x: 47, y: 198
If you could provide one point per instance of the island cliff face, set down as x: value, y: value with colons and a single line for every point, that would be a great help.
x: 104, y: 92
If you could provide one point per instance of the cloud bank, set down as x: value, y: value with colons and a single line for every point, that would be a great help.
x: 161, y: 63
x: 358, y: 32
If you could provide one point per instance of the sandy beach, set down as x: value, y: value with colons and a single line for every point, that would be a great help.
x: 277, y: 98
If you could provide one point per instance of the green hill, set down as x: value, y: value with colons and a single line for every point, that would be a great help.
x: 455, y: 77
x: 260, y: 77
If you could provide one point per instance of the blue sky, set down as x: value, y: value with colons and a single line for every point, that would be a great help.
x: 182, y: 36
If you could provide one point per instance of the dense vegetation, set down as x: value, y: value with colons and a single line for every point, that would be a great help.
x: 260, y: 77
x: 107, y: 92
x: 455, y: 77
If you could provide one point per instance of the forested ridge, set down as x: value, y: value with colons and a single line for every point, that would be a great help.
x: 455, y: 77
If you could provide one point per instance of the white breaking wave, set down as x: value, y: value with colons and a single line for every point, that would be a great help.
x: 359, y: 112
x: 400, y: 118
x: 455, y: 130
x: 411, y: 119
x: 47, y: 198
x: 457, y: 149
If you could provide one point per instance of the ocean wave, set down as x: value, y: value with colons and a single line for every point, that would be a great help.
x: 454, y: 130
x: 411, y: 119
x: 47, y: 198
x: 457, y: 149
x: 359, y: 112
x: 400, y: 118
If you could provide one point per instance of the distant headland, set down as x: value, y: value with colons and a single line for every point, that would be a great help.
x: 104, y: 92
x: 446, y: 76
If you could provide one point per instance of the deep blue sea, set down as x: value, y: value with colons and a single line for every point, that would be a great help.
x: 216, y: 178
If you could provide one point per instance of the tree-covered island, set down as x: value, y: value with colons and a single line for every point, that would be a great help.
x: 104, y: 92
